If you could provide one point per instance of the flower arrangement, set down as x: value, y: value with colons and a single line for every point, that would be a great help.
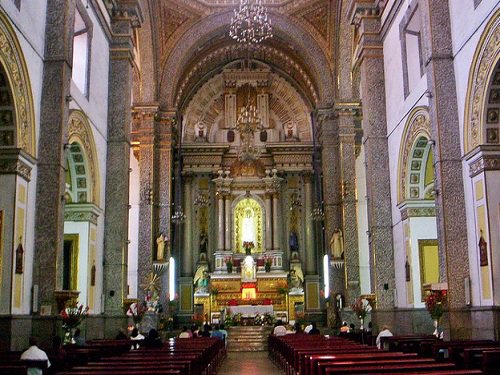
x: 268, y: 319
x: 228, y: 261
x: 300, y: 317
x: 137, y: 311
x: 72, y: 316
x: 434, y: 303
x: 248, y: 246
x: 361, y: 307
x: 324, y: 297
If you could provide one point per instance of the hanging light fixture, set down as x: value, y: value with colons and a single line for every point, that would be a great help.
x: 250, y: 23
x: 178, y: 216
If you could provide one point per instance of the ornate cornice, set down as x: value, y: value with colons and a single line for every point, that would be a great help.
x: 484, y: 163
x: 15, y: 166
x: 82, y: 212
x: 408, y: 212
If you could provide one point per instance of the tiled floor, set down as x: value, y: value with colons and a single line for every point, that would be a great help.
x: 248, y: 363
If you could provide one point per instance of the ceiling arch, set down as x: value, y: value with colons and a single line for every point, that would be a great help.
x: 292, y: 47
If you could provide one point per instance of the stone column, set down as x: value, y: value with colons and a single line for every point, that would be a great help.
x: 309, y: 230
x: 54, y: 106
x: 269, y: 237
x: 227, y: 222
x: 330, y: 163
x: 220, y: 215
x: 117, y: 161
x: 443, y: 111
x: 144, y: 129
x: 349, y: 210
x: 187, y: 247
x: 276, y: 244
x: 369, y: 61
x: 164, y: 171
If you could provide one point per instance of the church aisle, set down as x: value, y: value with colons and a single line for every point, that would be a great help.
x: 248, y: 363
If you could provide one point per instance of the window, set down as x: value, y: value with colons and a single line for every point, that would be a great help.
x: 410, y: 35
x: 81, y: 50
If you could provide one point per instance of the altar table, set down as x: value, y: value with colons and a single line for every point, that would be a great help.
x: 250, y: 310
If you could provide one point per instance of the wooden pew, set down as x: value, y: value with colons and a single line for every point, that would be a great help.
x: 491, y: 361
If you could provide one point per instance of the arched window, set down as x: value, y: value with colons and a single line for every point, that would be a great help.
x: 81, y: 51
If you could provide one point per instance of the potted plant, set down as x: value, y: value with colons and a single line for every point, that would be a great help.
x: 229, y: 264
x: 248, y: 246
x: 268, y: 262
x: 72, y: 316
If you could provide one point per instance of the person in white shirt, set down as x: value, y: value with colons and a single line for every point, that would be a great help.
x: 35, y: 353
x: 280, y: 329
x: 384, y: 333
x: 185, y: 334
x: 308, y: 328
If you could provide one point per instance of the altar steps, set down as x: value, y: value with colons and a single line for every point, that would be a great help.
x: 248, y: 338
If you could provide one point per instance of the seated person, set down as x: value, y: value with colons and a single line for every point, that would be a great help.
x: 184, y: 333
x: 136, y: 336
x: 217, y: 333
x: 224, y: 333
x: 153, y: 340
x: 36, y: 354
x: 384, y: 333
x: 297, y: 328
x: 345, y: 328
x: 314, y: 330
x: 279, y: 329
x: 206, y: 330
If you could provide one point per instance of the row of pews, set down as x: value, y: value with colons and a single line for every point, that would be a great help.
x: 302, y: 354
x: 114, y: 357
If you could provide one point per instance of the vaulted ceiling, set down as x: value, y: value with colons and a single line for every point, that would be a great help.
x: 183, y: 43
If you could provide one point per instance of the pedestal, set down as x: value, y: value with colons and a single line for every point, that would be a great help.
x: 149, y: 321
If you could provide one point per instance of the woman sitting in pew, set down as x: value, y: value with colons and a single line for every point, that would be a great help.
x: 384, y: 333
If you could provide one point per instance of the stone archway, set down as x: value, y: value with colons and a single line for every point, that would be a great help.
x: 16, y: 71
x: 483, y: 65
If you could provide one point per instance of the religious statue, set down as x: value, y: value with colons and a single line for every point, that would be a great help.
x: 160, y: 247
x: 295, y: 279
x: 337, y: 244
x: 201, y: 279
x: 203, y: 242
x: 293, y: 241
x: 248, y: 269
x: 483, y: 250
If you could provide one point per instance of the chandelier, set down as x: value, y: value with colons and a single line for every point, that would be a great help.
x: 178, y: 216
x: 247, y: 124
x: 317, y: 213
x: 201, y: 200
x: 250, y: 23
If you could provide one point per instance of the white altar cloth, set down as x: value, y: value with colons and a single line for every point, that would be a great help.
x: 249, y: 310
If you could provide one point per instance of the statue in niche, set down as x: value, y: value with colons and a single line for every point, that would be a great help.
x: 19, y: 257
x: 160, y: 247
x: 203, y: 242
x: 201, y: 279
x: 337, y: 244
x: 483, y: 250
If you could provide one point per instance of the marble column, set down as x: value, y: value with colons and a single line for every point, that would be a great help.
x: 227, y: 222
x: 371, y: 71
x: 267, y: 205
x: 220, y: 216
x: 187, y: 246
x: 445, y: 125
x: 125, y: 16
x: 310, y: 256
x: 330, y: 163
x: 276, y: 236
x: 54, y: 107
x: 349, y: 210
x: 144, y: 125
x: 165, y: 124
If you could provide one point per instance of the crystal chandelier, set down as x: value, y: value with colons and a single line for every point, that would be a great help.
x: 201, y: 200
x: 179, y: 216
x: 250, y: 23
x: 317, y: 213
x: 247, y: 124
